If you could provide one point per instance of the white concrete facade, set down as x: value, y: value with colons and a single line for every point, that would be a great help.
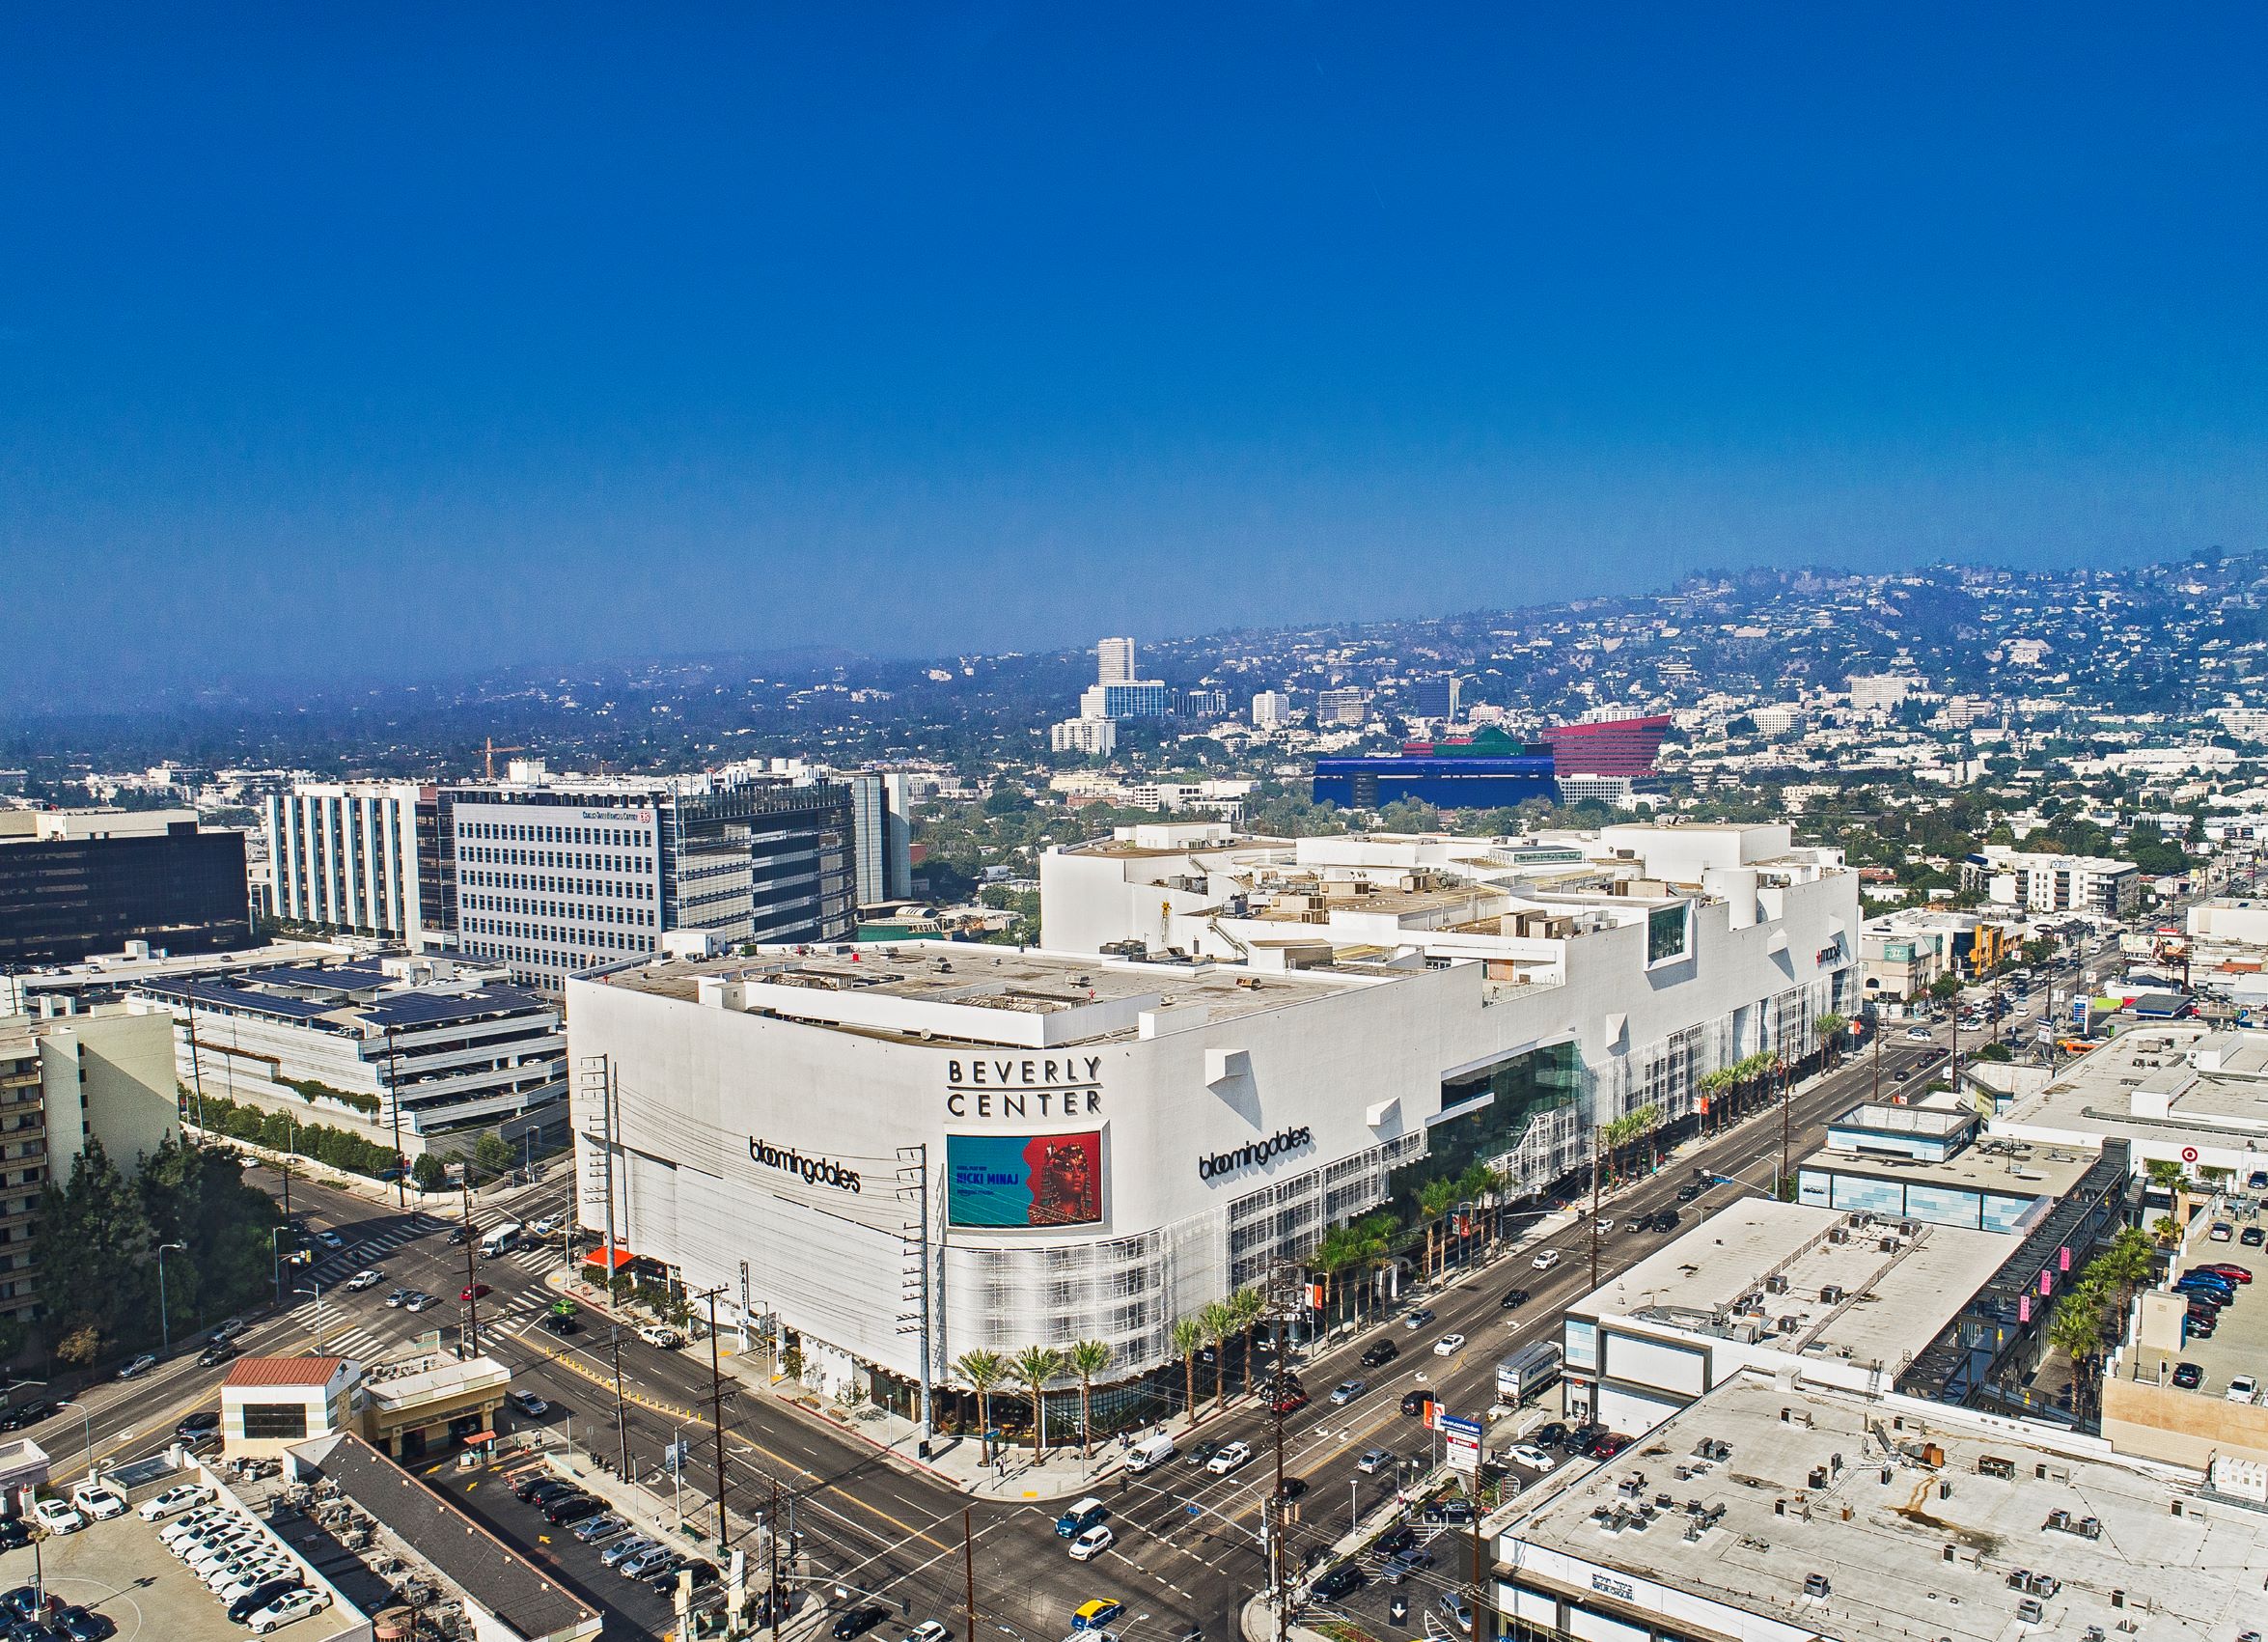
x: 343, y: 856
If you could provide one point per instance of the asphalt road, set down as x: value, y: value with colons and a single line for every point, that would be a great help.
x: 1187, y: 1549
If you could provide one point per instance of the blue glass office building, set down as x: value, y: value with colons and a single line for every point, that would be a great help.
x: 1447, y: 783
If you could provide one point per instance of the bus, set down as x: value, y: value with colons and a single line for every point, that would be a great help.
x: 503, y: 1240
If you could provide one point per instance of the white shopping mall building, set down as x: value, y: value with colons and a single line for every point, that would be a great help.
x: 877, y: 1145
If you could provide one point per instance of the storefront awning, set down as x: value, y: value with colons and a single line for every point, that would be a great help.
x: 598, y: 1257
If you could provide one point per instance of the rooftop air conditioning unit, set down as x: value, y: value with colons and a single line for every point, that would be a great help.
x: 1831, y: 1294
x: 1776, y: 1285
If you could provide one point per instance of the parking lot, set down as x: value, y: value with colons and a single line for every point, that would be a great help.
x: 119, y: 1570
x: 577, y: 1564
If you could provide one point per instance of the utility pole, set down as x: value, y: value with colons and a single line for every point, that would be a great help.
x: 716, y: 1408
x: 968, y: 1559
x: 913, y: 1183
x: 775, y: 1601
x: 621, y: 1418
x: 1284, y: 1284
x: 1786, y: 1123
x: 1599, y: 1141
x: 471, y: 1273
x: 1876, y: 1097
x: 394, y: 1099
x: 196, y: 1067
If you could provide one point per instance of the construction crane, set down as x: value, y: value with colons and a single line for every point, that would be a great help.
x: 488, y: 751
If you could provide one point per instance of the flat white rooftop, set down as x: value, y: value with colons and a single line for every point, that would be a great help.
x: 1890, y: 1302
x: 1940, y: 1551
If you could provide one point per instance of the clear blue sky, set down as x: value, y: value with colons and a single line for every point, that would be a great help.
x: 424, y: 337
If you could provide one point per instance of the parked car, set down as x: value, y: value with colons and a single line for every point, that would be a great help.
x: 2251, y: 1237
x: 1405, y: 1562
x: 1550, y: 1434
x: 57, y: 1517
x: 26, y: 1414
x: 592, y: 1529
x: 173, y: 1501
x: 1528, y: 1454
x: 2222, y: 1231
x: 82, y: 1625
x: 1608, y: 1446
x: 1447, y: 1510
x: 2237, y: 1274
x: 1379, y: 1353
x: 1457, y: 1611
x: 614, y: 1554
x: 290, y: 1606
x: 98, y: 1501
x: 2242, y: 1389
x: 261, y: 1596
x: 134, y: 1368
x: 570, y: 1508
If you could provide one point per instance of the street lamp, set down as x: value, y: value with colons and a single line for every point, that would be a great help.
x: 87, y: 1415
x: 165, y: 1333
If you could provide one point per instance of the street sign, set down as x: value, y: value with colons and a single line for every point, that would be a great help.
x: 1460, y: 1439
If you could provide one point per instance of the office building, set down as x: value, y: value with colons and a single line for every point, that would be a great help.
x: 402, y: 1050
x: 66, y: 1078
x: 1487, y: 770
x: 1203, y: 704
x: 1113, y: 1141
x: 1113, y: 661
x: 552, y: 875
x: 1616, y: 791
x: 1131, y: 698
x: 1095, y: 738
x: 1437, y: 698
x: 1270, y: 710
x: 1342, y: 707
x: 343, y: 856
x: 2093, y: 887
x: 1777, y: 1510
x: 1609, y: 747
x: 75, y: 883
x: 881, y: 836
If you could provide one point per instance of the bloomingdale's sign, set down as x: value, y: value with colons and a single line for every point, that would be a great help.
x: 816, y: 1171
x: 1255, y: 1152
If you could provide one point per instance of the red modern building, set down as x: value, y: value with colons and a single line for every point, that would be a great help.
x: 1613, y: 747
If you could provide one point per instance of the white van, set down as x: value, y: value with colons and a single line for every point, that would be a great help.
x: 503, y: 1240
x: 1149, y: 1452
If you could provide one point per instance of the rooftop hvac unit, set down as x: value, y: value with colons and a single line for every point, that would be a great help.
x: 1776, y: 1285
x: 1889, y: 1245
x: 1789, y: 1325
x: 1838, y: 1235
x: 1831, y: 1294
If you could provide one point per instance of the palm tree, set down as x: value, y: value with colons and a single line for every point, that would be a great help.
x: 1433, y: 1203
x: 1219, y: 1323
x: 1035, y: 1366
x: 982, y: 1370
x: 1713, y: 1084
x: 1341, y: 1248
x: 2077, y: 1330
x: 1188, y: 1335
x: 1088, y: 1359
x: 1830, y: 1027
x: 1245, y: 1308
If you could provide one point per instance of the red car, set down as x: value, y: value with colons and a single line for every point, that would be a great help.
x: 1608, y: 1446
x: 2237, y: 1274
x: 477, y: 1292
x: 1291, y: 1401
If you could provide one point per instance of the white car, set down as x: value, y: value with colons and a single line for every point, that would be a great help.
x: 1528, y: 1455
x: 1230, y: 1456
x: 543, y: 1229
x: 290, y: 1606
x: 365, y: 1279
x: 1093, y: 1544
x: 134, y: 1368
x: 58, y: 1518
x: 237, y: 1589
x: 1919, y: 1035
x: 173, y: 1501
x: 189, y: 1526
x: 661, y: 1336
x: 1545, y: 1261
x: 1449, y: 1345
x: 1605, y: 1224
x: 2242, y: 1389
x: 928, y: 1630
x: 98, y: 1501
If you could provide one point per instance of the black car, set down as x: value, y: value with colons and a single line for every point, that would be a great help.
x: 22, y: 1603
x: 259, y: 1596
x: 15, y: 1533
x: 1380, y: 1353
x: 2186, y: 1376
x: 563, y: 1508
x: 541, y: 1487
x: 1292, y: 1488
x: 25, y: 1414
x: 220, y: 1351
x: 1551, y: 1435
x: 704, y: 1574
x: 1688, y: 1192
x: 1337, y: 1581
x: 1514, y: 1300
x: 28, y: 1631
x: 1204, y: 1451
x: 560, y: 1324
x: 1447, y: 1510
x: 1583, y: 1437
x: 457, y: 1235
x: 858, y: 1622
x: 83, y: 1625
x: 1666, y: 1220
x: 203, y: 1423
x: 1399, y: 1540
x: 1416, y: 1402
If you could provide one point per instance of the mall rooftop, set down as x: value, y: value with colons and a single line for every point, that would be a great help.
x: 925, y: 990
x: 1841, y: 1515
x: 2181, y: 1092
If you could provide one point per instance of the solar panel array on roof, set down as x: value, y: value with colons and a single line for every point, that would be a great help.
x: 346, y: 978
x: 212, y: 995
x: 426, y: 1008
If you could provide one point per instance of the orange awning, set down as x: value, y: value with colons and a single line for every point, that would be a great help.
x: 621, y: 1257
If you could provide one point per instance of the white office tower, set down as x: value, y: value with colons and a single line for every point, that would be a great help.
x: 1270, y: 710
x: 880, y: 841
x: 343, y: 856
x: 1113, y: 661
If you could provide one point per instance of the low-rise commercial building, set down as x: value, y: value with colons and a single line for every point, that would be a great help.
x: 1775, y: 1509
x: 268, y: 1405
x: 2183, y: 1094
x: 2093, y: 887
x: 431, y: 1402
